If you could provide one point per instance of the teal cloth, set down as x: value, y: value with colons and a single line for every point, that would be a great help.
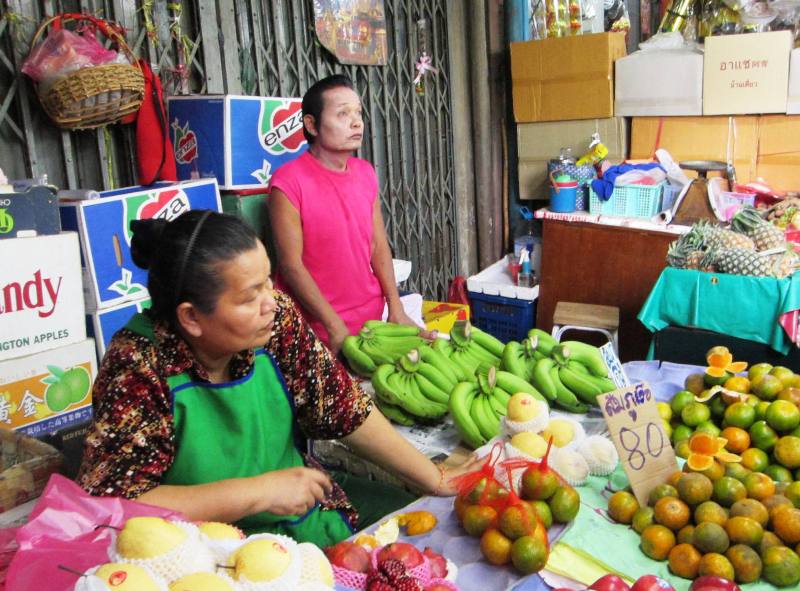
x: 744, y: 307
x: 616, y: 545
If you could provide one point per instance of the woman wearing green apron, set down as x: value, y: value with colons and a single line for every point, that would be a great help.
x: 203, y: 403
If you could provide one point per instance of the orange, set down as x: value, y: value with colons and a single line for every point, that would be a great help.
x: 779, y: 474
x: 738, y: 439
x: 758, y: 370
x: 759, y: 486
x: 495, y: 547
x: 674, y: 478
x: 752, y: 509
x: 478, y: 518
x: 776, y: 503
x: 782, y: 415
x: 728, y: 490
x: 517, y: 521
x: 694, y: 383
x: 715, y: 471
x: 767, y: 387
x: 738, y: 384
x: 661, y: 491
x: 486, y: 492
x: 684, y: 561
x: 763, y: 436
x: 695, y: 413
x: 460, y: 506
x: 787, y: 526
x: 746, y: 563
x: 695, y: 488
x: 528, y: 555
x: 790, y: 394
x: 682, y: 446
x: 716, y: 565
x: 564, y: 504
x: 542, y: 512
x: 755, y: 459
x: 784, y: 374
x: 792, y: 493
x: 538, y: 485
x: 710, y: 537
x: 621, y: 507
x: 781, y: 566
x: 657, y: 541
x: 672, y: 513
x: 736, y: 470
x: 643, y: 517
x: 787, y: 452
x: 743, y: 530
x: 740, y: 414
x: 768, y: 541
x: 710, y: 512
x: 685, y: 534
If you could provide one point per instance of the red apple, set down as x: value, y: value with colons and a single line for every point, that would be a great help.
x: 651, y: 583
x: 348, y: 555
x: 709, y: 583
x: 405, y: 553
x: 610, y: 583
x: 437, y: 562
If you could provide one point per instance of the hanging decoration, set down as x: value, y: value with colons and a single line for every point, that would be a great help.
x: 424, y: 64
x: 352, y: 30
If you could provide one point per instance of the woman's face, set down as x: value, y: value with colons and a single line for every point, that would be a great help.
x: 245, y: 311
x: 340, y: 127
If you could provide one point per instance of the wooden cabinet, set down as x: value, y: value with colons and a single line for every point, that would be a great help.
x: 597, y: 264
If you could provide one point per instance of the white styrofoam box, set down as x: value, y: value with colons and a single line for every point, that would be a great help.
x: 793, y: 102
x: 41, y: 296
x: 496, y: 280
x: 659, y: 82
x: 48, y: 391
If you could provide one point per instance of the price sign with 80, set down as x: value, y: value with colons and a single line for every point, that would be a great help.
x: 639, y: 447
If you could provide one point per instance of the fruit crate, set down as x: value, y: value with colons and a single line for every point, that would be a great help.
x: 26, y: 465
x: 632, y: 201
x: 499, y: 307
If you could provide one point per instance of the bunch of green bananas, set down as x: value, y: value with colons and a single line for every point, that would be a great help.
x: 412, y: 389
x: 570, y: 374
x: 379, y: 342
x: 470, y: 348
x: 521, y: 358
x: 476, y: 407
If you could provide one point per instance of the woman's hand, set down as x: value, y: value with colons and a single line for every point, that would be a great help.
x: 447, y: 488
x: 336, y: 336
x: 293, y: 491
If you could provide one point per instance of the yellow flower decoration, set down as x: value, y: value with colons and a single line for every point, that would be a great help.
x: 704, y: 448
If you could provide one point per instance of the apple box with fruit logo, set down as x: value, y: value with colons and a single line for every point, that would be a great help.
x: 48, y: 391
x: 106, y: 321
x: 104, y: 228
x: 239, y: 140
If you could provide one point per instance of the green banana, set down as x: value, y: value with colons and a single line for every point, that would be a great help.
x: 578, y: 367
x: 491, y: 417
x: 461, y: 400
x: 561, y: 354
x: 512, y: 384
x: 481, y: 415
x: 546, y: 340
x: 585, y: 390
x: 400, y: 386
x: 443, y: 346
x: 542, y: 380
x: 430, y: 390
x: 514, y: 360
x: 502, y: 397
x: 498, y: 407
x: 377, y: 354
x: 467, y: 363
x: 432, y: 374
x: 433, y: 409
x: 359, y: 361
x: 489, y: 342
x: 482, y: 354
x: 379, y: 327
x: 438, y: 360
x: 589, y: 355
x: 380, y: 382
x: 605, y: 384
x: 565, y: 398
x: 395, y: 414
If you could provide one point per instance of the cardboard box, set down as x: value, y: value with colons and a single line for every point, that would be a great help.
x: 104, y: 226
x: 41, y: 299
x: 45, y: 392
x: 746, y: 73
x: 565, y: 78
x: 251, y: 208
x: 793, y: 100
x: 659, y: 82
x: 766, y: 146
x: 33, y: 212
x: 538, y: 143
x: 240, y: 140
x: 442, y: 316
x: 102, y: 324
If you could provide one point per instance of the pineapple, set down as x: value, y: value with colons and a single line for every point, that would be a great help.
x: 687, y: 251
x: 765, y: 236
x: 784, y: 264
x: 742, y: 261
x: 724, y: 238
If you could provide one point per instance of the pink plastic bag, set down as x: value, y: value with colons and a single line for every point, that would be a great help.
x: 63, y: 52
x: 62, y: 531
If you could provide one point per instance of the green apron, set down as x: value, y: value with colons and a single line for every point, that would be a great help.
x: 240, y: 429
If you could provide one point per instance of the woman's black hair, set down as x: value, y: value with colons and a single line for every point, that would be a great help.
x: 313, y: 101
x: 182, y: 258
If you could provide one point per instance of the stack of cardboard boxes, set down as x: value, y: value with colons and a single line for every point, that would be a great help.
x: 733, y: 101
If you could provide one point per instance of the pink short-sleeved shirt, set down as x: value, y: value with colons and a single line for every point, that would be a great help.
x: 336, y: 211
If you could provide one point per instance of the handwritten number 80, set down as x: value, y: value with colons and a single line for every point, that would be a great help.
x: 631, y: 441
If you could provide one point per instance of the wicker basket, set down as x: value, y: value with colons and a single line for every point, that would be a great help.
x: 25, y: 467
x: 93, y: 96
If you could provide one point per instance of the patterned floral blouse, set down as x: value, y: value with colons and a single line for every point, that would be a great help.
x: 132, y: 442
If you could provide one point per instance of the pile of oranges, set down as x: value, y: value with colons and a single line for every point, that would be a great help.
x: 726, y: 521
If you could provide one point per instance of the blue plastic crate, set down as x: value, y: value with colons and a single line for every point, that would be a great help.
x: 508, y: 319
x: 633, y: 201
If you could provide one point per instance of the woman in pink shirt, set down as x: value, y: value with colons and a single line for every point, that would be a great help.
x: 333, y: 256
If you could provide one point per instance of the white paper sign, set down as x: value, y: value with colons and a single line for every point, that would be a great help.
x: 615, y: 371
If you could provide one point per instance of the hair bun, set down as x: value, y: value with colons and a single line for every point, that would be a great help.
x: 145, y: 235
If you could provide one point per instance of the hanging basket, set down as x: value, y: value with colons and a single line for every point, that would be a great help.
x: 93, y: 96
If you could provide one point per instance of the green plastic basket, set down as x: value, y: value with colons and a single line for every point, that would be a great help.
x: 633, y: 201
